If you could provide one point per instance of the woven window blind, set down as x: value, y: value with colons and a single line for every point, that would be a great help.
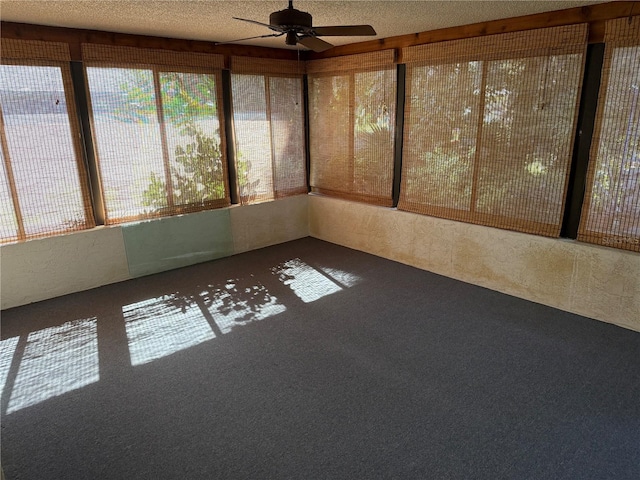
x: 352, y: 103
x: 43, y: 182
x: 157, y: 131
x: 268, y: 113
x: 611, y: 209
x: 489, y: 127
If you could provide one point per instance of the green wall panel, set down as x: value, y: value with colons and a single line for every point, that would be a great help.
x: 173, y: 242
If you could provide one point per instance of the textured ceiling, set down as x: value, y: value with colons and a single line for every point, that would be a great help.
x: 212, y: 19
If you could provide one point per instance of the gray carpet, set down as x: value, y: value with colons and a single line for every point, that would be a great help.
x: 312, y: 361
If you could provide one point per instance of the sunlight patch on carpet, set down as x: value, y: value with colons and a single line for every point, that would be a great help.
x: 7, y: 350
x: 161, y: 326
x: 346, y: 279
x: 56, y: 360
x: 311, y: 284
x: 240, y: 301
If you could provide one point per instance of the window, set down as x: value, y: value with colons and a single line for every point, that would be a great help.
x: 352, y: 113
x: 489, y: 128
x: 43, y: 184
x: 611, y: 210
x: 157, y: 132
x: 268, y: 114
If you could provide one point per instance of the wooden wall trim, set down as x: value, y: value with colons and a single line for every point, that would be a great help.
x: 75, y: 37
x: 594, y: 15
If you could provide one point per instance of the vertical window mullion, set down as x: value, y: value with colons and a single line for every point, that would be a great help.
x: 402, y: 94
x: 582, y: 144
x: 82, y: 170
x: 83, y: 102
x: 163, y: 137
x: 230, y: 132
x: 11, y: 179
x: 307, y: 140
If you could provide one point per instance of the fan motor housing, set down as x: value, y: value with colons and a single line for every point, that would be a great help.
x: 291, y: 17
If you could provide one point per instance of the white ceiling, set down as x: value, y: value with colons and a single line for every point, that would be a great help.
x: 211, y: 20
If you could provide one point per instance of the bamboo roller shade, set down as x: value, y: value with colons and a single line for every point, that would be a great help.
x: 138, y: 159
x: 147, y: 56
x: 43, y: 173
x: 352, y: 105
x: 528, y: 43
x: 35, y: 50
x: 269, y: 128
x: 259, y: 65
x: 364, y: 61
x: 611, y: 208
x: 489, y: 128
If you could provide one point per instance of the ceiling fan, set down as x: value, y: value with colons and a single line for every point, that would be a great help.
x: 297, y: 26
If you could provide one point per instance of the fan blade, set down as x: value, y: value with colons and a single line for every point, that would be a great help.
x: 272, y: 27
x: 344, y: 30
x: 315, y: 44
x: 249, y: 38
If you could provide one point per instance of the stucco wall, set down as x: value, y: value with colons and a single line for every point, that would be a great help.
x: 49, y: 267
x: 597, y: 282
x: 264, y: 224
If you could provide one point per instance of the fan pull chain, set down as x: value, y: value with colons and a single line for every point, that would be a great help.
x: 299, y: 71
